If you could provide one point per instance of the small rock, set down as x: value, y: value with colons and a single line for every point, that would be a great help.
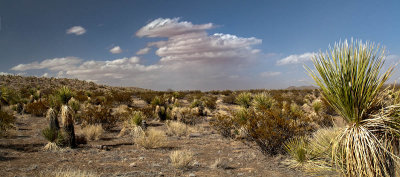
x: 132, y: 164
x: 194, y: 135
x: 141, y: 158
x: 192, y: 175
x: 240, y: 174
x: 156, y: 165
x: 90, y: 162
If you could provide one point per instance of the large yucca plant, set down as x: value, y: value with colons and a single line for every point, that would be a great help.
x: 350, y: 78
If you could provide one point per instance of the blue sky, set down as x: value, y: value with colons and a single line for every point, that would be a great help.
x: 186, y: 44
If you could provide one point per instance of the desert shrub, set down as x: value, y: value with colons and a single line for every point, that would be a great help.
x: 244, y: 99
x: 121, y: 97
x: 38, y: 108
x: 98, y: 100
x: 181, y: 158
x: 263, y: 101
x: 158, y: 101
x: 137, y: 118
x: 188, y: 116
x: 81, y: 96
x: 229, y: 99
x: 177, y: 128
x: 8, y: 96
x: 93, y: 132
x: 147, y: 96
x: 6, y: 121
x: 226, y: 92
x: 93, y: 115
x: 178, y: 95
x: 210, y: 102
x: 151, y: 139
x: 314, y: 154
x: 50, y: 134
x: 74, y: 105
x: 269, y: 130
x: 224, y: 125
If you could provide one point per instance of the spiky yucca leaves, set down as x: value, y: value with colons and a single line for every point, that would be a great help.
x: 297, y: 148
x: 64, y: 94
x: 263, y: 101
x: 244, y: 99
x: 350, y: 79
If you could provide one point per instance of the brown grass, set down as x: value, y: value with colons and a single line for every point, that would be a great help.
x: 93, y: 132
x: 181, y: 158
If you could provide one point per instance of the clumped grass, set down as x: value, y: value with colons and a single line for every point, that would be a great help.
x: 136, y: 118
x: 350, y: 78
x: 181, y: 158
x: 151, y: 139
x: 93, y: 132
x: 177, y: 128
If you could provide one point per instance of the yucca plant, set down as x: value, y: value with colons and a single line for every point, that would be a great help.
x: 244, y: 99
x: 263, y: 101
x: 350, y: 78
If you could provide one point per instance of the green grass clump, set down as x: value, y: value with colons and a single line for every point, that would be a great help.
x: 244, y: 99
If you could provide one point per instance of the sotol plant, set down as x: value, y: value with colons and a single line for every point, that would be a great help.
x: 350, y: 78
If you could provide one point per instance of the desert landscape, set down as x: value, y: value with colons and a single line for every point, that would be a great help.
x: 150, y: 88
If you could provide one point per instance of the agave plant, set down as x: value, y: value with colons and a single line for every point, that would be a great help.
x: 350, y: 78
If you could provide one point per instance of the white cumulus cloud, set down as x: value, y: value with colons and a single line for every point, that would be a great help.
x: 295, y: 59
x: 116, y: 50
x: 51, y: 64
x: 77, y: 30
x: 143, y: 51
x: 189, y: 58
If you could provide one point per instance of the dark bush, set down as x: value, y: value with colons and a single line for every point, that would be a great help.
x: 229, y: 99
x: 38, y: 108
x: 50, y: 134
x: 210, y: 102
x: 6, y: 121
x: 93, y: 115
x: 224, y: 125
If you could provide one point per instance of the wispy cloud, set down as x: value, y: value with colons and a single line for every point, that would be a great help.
x: 295, y: 59
x: 77, y: 30
x: 116, y: 50
x: 270, y: 74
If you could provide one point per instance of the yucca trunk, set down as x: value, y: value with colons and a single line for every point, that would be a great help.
x: 358, y: 152
x: 53, y: 120
x: 68, y: 126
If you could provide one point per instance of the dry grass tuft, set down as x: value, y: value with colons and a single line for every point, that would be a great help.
x: 68, y: 173
x: 177, y: 128
x: 93, y: 132
x: 181, y: 158
x: 151, y: 139
x: 51, y: 146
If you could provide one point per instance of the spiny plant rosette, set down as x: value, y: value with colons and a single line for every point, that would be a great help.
x: 350, y: 78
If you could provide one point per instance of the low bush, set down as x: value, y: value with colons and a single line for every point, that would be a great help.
x: 210, y: 102
x: 38, y: 108
x: 244, y: 99
x: 6, y: 122
x: 181, y: 158
x: 229, y: 99
x: 50, y: 134
x: 93, y: 132
x: 93, y: 115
